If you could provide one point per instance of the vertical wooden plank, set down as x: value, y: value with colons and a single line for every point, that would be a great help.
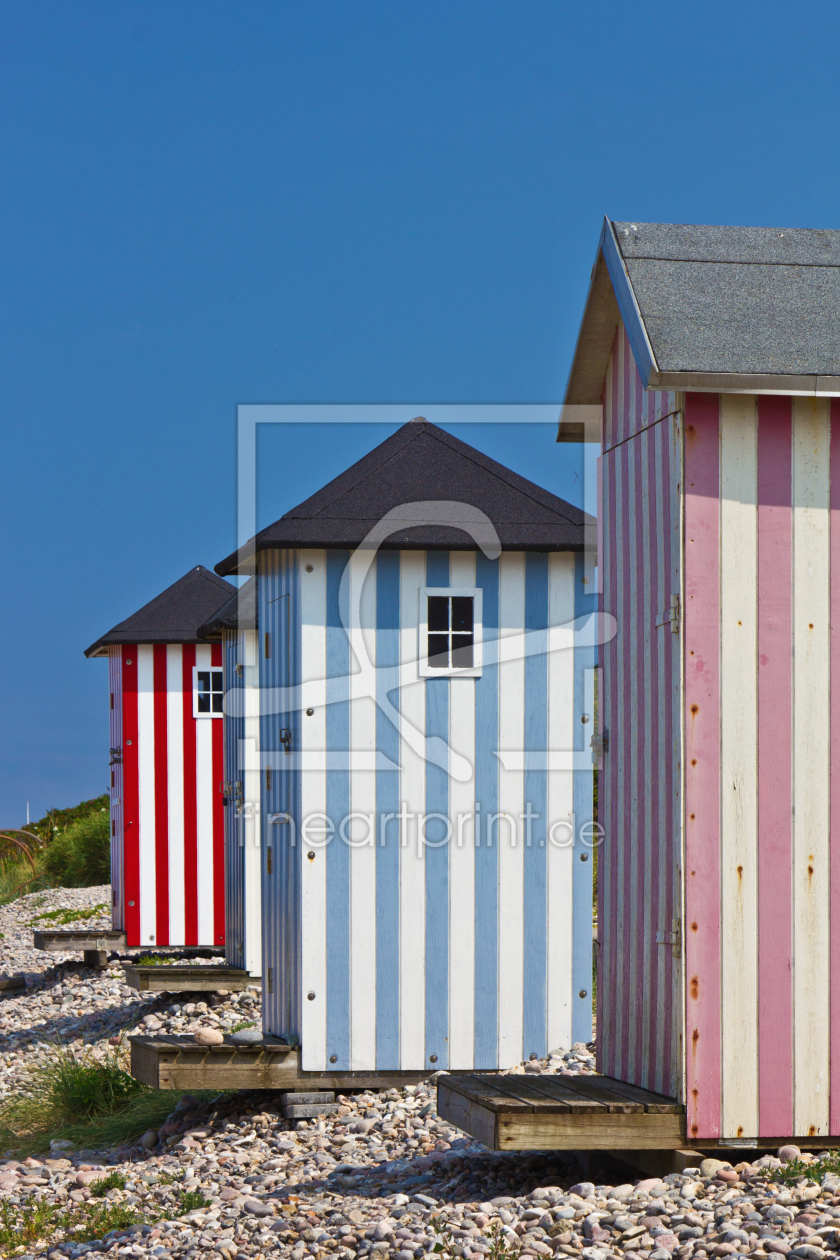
x: 388, y: 808
x: 131, y: 797
x: 161, y: 797
x: 811, y: 764
x: 436, y: 843
x: 338, y: 810
x: 834, y: 800
x: 486, y: 1020
x: 739, y: 769
x: 362, y: 830
x: 204, y: 792
x: 627, y: 691
x: 560, y: 851
x: 413, y: 792
x: 117, y: 801
x: 582, y: 864
x: 249, y: 761
x: 702, y: 770
x: 462, y: 797
x: 635, y: 788
x: 217, y: 866
x: 671, y: 897
x: 650, y: 1055
x: 609, y: 1028
x: 175, y: 740
x: 313, y: 811
x: 775, y: 714
x: 534, y: 834
x: 146, y: 786
x: 506, y: 831
x: 190, y: 799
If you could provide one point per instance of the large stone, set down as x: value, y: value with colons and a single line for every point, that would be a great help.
x: 709, y: 1167
x: 149, y: 1139
x: 788, y: 1152
x: 209, y: 1037
x: 247, y: 1035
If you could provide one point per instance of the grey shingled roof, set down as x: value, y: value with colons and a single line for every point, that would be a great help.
x: 240, y: 612
x: 421, y: 462
x: 716, y: 308
x: 174, y: 616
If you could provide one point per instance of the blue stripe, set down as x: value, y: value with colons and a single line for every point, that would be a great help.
x: 387, y: 802
x: 437, y: 853
x: 338, y: 807
x: 582, y: 869
x: 487, y: 803
x: 536, y: 803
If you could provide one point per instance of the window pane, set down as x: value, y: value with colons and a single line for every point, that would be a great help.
x: 462, y: 613
x: 203, y: 677
x: 204, y: 702
x: 462, y: 651
x: 438, y: 651
x: 217, y: 702
x: 438, y: 613
x: 218, y: 684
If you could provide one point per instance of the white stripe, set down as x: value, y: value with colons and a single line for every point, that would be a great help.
x: 462, y: 852
x: 413, y: 797
x: 175, y: 771
x: 739, y: 769
x: 146, y: 789
x: 511, y: 805
x: 313, y: 801
x: 362, y: 633
x: 204, y: 810
x: 249, y: 830
x: 811, y: 765
x: 560, y: 796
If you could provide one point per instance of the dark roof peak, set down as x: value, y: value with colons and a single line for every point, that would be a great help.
x: 174, y: 616
x: 422, y: 463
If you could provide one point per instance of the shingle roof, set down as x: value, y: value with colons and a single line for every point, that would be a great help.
x: 174, y: 616
x: 420, y: 462
x: 715, y: 308
x: 240, y: 611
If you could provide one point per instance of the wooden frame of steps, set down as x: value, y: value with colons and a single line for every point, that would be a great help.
x: 172, y: 978
x: 95, y: 945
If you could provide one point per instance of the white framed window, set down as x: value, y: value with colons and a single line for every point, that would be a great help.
x: 450, y: 632
x: 208, y: 692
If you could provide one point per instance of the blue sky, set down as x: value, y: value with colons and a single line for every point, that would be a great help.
x: 206, y: 204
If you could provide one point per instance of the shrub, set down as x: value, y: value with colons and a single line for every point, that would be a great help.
x: 81, y: 856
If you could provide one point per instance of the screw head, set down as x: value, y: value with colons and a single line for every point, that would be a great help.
x: 532, y: 1056
x: 333, y: 1057
x: 433, y: 1058
x: 584, y: 717
x: 309, y: 569
x: 584, y: 857
x: 131, y: 903
x: 310, y: 712
x: 128, y: 662
x: 582, y: 993
x: 311, y: 854
x: 310, y: 997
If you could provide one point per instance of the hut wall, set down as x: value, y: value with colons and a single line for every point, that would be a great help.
x: 455, y: 954
x: 116, y: 788
x: 243, y: 943
x: 639, y: 1020
x: 173, y: 814
x: 762, y: 636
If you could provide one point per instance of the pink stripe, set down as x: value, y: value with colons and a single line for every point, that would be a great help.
x: 614, y: 435
x: 702, y: 771
x: 653, y: 735
x: 775, y: 804
x: 636, y: 847
x: 625, y: 840
x: 834, y: 1113
x: 666, y: 1081
x: 612, y: 845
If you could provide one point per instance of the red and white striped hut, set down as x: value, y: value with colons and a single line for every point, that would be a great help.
x: 715, y: 354
x: 167, y: 764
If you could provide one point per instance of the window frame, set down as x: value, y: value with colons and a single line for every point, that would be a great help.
x: 207, y: 669
x: 424, y: 669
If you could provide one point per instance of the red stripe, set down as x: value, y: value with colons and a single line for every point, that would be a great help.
x: 190, y: 803
x: 775, y: 803
x: 702, y: 771
x: 834, y: 1113
x: 131, y: 797
x: 161, y: 798
x: 218, y: 725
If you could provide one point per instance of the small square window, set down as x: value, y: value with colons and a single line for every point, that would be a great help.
x: 449, y: 632
x: 208, y: 692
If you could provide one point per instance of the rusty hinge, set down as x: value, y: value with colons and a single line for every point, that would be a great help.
x: 672, y: 938
x: 270, y: 980
x: 267, y: 642
x: 268, y: 860
x: 268, y: 778
x: 671, y: 615
x: 600, y: 744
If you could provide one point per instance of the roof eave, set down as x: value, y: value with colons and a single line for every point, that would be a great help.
x: 745, y: 383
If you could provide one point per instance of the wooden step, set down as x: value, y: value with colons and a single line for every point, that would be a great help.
x: 64, y: 942
x: 185, y: 978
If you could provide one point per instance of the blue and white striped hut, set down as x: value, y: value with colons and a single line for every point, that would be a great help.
x: 427, y: 784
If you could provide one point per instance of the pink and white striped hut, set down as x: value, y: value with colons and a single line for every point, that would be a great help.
x: 167, y: 766
x: 714, y: 353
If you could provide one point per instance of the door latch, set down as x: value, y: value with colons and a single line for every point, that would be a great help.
x: 600, y: 744
x: 672, y: 938
x: 286, y: 739
x: 671, y: 615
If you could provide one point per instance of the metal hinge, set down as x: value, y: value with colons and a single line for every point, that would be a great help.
x: 671, y: 616
x: 239, y: 669
x: 270, y: 980
x: 672, y: 938
x: 286, y: 739
x: 268, y: 860
x: 115, y: 755
x: 600, y: 744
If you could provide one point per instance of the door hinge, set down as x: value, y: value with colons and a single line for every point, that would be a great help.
x: 672, y: 938
x: 671, y: 615
x: 270, y: 980
x: 268, y: 866
x: 286, y: 739
x: 600, y: 744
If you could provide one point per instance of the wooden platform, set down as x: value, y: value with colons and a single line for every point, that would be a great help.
x: 515, y: 1113
x: 179, y: 1063
x: 174, y: 978
x: 63, y: 942
x: 10, y: 986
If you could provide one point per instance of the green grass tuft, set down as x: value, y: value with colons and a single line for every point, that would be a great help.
x: 191, y: 1200
x: 795, y: 1170
x: 114, y: 1181
x: 40, y: 1222
x: 68, y: 915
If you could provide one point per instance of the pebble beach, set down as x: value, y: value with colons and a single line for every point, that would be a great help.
x: 383, y: 1175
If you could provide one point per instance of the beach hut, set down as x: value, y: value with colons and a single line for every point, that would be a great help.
x: 167, y: 814
x: 715, y: 353
x: 426, y: 796
x: 235, y: 627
